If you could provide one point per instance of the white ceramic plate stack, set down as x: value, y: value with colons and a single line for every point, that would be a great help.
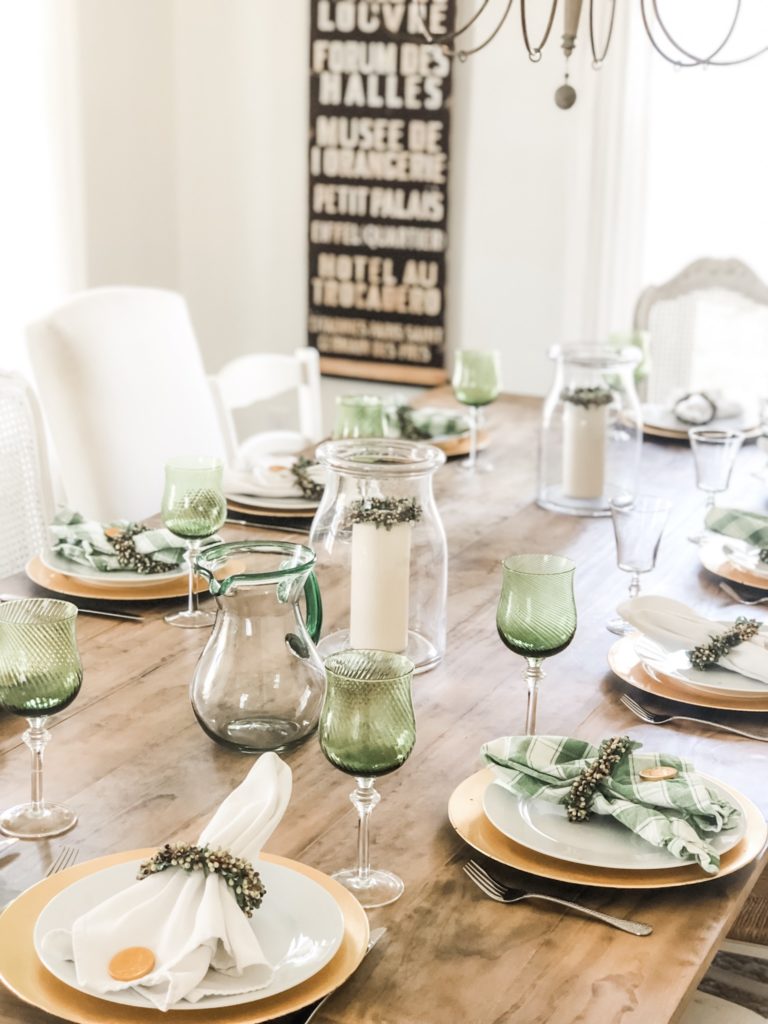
x: 299, y: 927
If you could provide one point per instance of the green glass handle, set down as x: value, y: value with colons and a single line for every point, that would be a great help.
x: 314, y: 618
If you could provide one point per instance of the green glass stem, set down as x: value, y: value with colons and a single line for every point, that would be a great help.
x: 193, y: 549
x: 364, y: 799
x: 532, y: 674
x: 36, y: 738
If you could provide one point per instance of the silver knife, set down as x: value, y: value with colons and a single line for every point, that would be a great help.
x: 376, y: 934
x: 85, y: 611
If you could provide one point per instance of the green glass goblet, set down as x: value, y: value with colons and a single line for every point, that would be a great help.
x: 367, y: 729
x: 536, y: 616
x: 476, y: 381
x: 40, y: 674
x: 359, y: 416
x: 194, y: 507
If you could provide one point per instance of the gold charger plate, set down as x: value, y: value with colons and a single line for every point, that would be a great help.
x: 624, y: 661
x: 25, y: 976
x: 72, y: 586
x: 270, y: 513
x: 465, y: 811
x: 454, y: 446
x: 714, y: 558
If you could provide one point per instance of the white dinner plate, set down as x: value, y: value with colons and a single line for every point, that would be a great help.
x: 676, y: 665
x: 282, y: 504
x: 662, y: 418
x: 600, y: 842
x: 299, y: 927
x: 747, y: 557
x: 117, y: 578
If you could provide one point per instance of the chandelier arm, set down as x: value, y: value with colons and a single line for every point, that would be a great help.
x: 534, y: 52
x: 692, y: 56
x: 694, y: 62
x: 599, y: 60
x: 449, y: 35
x: 463, y: 54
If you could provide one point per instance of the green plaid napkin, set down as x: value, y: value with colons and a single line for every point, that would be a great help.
x: 751, y: 527
x: 423, y: 424
x: 674, y: 814
x: 85, y: 542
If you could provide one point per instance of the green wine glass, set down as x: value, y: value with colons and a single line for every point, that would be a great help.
x: 40, y: 674
x: 536, y: 616
x: 476, y: 381
x: 194, y: 507
x: 367, y: 729
x: 359, y: 416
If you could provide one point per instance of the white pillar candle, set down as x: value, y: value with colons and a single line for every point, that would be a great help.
x: 380, y: 584
x: 584, y: 431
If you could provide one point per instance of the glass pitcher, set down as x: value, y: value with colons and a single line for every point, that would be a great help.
x: 381, y: 549
x: 592, y: 430
x: 259, y: 683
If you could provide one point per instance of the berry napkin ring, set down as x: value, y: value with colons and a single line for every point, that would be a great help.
x: 706, y: 655
x: 582, y: 791
x: 240, y: 875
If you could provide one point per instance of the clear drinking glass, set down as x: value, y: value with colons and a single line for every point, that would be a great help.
x: 194, y: 507
x: 714, y: 454
x: 367, y: 729
x: 536, y: 616
x: 476, y: 381
x: 638, y: 524
x: 40, y: 674
x: 359, y: 416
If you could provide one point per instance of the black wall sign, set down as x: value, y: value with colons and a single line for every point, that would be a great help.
x: 378, y: 187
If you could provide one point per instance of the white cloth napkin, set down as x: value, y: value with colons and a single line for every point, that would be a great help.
x: 269, y: 477
x: 203, y: 943
x: 673, y: 625
x: 694, y: 407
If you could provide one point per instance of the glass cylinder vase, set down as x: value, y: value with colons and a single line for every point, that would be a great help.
x: 381, y: 550
x: 591, y: 432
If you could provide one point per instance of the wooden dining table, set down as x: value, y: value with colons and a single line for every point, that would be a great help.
x: 129, y: 757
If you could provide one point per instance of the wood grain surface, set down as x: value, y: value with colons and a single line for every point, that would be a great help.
x: 129, y: 757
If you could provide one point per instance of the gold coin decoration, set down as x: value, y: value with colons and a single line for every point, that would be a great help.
x: 658, y: 774
x: 131, y: 963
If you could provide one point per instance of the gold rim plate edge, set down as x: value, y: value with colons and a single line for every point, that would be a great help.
x: 712, y: 560
x: 24, y: 975
x: 72, y: 586
x: 624, y: 662
x: 465, y: 812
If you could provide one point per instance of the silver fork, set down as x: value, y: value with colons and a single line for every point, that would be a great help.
x: 655, y: 719
x: 65, y: 858
x: 738, y: 597
x: 505, y: 894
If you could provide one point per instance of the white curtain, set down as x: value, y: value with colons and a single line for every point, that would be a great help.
x: 39, y: 192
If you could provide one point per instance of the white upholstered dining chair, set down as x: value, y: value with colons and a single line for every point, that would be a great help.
x: 123, y: 389
x: 26, y: 498
x: 258, y: 377
x: 708, y: 328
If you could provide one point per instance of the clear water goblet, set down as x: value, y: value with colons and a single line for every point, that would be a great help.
x: 638, y: 525
x: 714, y: 455
x: 367, y: 729
x: 194, y: 507
x: 40, y: 675
x: 359, y: 416
x: 536, y: 616
x: 476, y: 382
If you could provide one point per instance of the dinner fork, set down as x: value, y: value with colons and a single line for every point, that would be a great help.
x: 65, y: 858
x: 739, y: 598
x: 656, y: 719
x: 506, y: 894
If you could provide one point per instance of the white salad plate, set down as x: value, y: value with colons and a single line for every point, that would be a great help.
x: 600, y: 842
x: 660, y: 417
x: 676, y: 665
x: 282, y: 504
x: 114, y: 578
x: 299, y: 928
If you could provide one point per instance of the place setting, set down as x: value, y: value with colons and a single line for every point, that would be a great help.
x: 710, y: 408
